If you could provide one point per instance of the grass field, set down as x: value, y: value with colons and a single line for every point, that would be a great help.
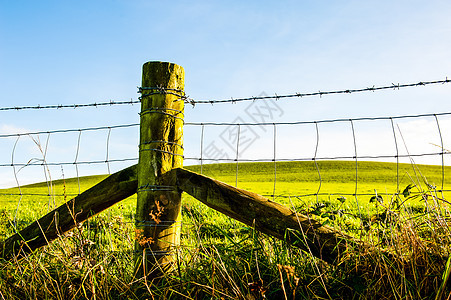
x: 221, y: 258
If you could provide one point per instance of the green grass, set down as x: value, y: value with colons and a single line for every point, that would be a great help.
x: 221, y: 258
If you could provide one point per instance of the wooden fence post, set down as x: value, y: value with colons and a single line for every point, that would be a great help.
x: 158, y: 211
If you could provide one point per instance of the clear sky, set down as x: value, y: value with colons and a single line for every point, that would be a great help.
x: 70, y: 52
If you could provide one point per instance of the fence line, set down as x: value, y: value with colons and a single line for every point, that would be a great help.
x: 356, y: 157
x: 237, y: 159
x: 43, y: 162
x: 201, y: 158
x: 320, y: 93
x: 141, y: 222
x: 187, y: 99
x: 60, y: 106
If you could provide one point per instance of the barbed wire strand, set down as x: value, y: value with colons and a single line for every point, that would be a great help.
x: 60, y: 106
x: 319, y: 93
x: 232, y: 100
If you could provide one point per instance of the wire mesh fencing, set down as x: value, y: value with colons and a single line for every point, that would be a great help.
x: 44, y: 169
x: 329, y: 159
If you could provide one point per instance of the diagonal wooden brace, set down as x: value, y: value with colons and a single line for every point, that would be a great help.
x: 106, y: 193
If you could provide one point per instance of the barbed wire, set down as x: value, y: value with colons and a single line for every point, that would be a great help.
x: 187, y: 99
x: 319, y: 93
x: 60, y: 106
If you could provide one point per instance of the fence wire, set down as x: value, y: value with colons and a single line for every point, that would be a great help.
x: 20, y: 191
x: 61, y: 106
x: 203, y: 159
x: 319, y: 93
x: 148, y: 91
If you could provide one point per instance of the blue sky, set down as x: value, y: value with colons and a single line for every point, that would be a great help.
x: 67, y: 52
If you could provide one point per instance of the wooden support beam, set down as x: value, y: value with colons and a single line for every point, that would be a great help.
x: 106, y: 193
x: 267, y: 216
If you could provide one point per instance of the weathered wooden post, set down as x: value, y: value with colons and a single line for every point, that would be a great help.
x: 158, y: 211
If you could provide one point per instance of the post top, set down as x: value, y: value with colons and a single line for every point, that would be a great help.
x: 157, y: 62
x: 164, y: 74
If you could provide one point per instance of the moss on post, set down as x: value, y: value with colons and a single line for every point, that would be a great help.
x: 158, y: 211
